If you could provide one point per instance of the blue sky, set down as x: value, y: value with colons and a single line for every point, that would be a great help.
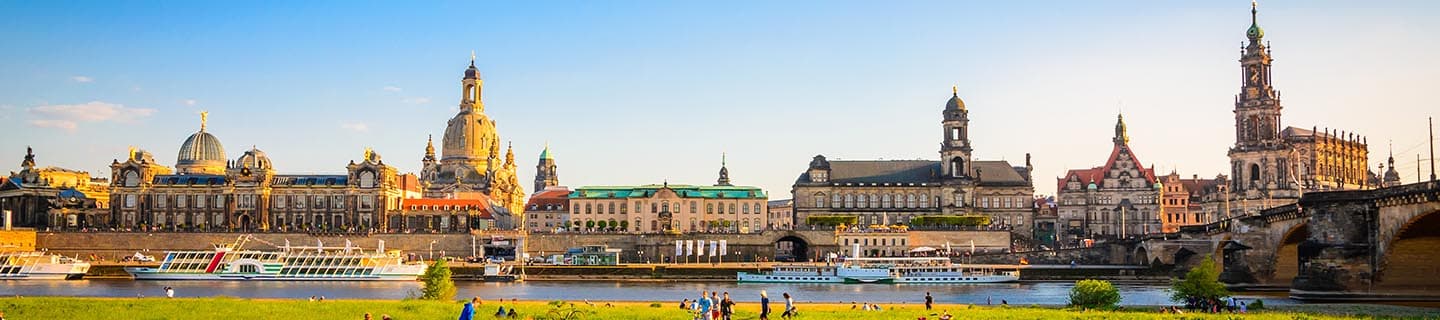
x: 630, y: 92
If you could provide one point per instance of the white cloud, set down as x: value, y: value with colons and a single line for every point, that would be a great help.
x: 355, y: 126
x: 189, y: 102
x: 69, y: 116
x: 82, y: 79
x: 67, y: 125
x: 416, y: 100
x: 392, y: 89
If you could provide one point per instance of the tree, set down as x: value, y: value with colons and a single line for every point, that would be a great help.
x: 624, y: 225
x: 1094, y: 294
x: 437, y: 283
x: 1201, y: 283
x: 589, y: 224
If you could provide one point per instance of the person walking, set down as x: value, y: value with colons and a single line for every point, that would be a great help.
x: 764, y: 306
x: 929, y: 301
x: 714, y: 305
x: 789, y: 306
x: 704, y: 306
x: 727, y: 306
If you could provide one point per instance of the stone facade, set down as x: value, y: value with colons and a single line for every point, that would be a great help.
x: 249, y: 196
x: 782, y: 214
x: 895, y: 191
x: 548, y: 210
x: 449, y: 215
x: 885, y: 242
x: 53, y: 198
x: 684, y: 208
x: 1118, y: 199
x: 1272, y: 165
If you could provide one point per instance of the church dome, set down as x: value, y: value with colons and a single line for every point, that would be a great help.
x: 201, y: 153
x: 253, y: 159
x: 954, y: 103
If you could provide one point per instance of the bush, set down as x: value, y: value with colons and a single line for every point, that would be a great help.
x: 654, y: 304
x: 1201, y: 283
x: 962, y: 220
x: 831, y: 220
x: 437, y: 283
x: 1094, y: 294
x: 1257, y: 305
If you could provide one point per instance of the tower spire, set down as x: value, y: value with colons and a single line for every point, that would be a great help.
x: 1121, y: 137
x: 724, y: 179
x: 472, y: 58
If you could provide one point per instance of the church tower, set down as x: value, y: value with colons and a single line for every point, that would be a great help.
x: 955, y: 150
x: 1260, y: 160
x: 724, y: 180
x: 545, y: 174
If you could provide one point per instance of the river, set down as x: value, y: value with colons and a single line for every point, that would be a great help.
x: 1040, y: 293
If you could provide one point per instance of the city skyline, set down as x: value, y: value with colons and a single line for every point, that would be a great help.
x: 80, y: 109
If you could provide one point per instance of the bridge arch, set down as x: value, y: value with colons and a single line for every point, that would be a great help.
x: 1408, y: 261
x: 1285, y: 264
x: 1141, y: 256
x: 792, y: 247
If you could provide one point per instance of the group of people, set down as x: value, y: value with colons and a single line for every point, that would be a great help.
x: 867, y: 307
x: 1230, y: 304
x: 719, y: 306
x: 382, y: 317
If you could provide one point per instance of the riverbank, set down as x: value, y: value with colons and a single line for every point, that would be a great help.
x: 231, y: 308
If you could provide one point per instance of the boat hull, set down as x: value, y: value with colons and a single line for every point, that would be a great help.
x: 144, y: 273
x: 50, y: 272
x: 746, y: 277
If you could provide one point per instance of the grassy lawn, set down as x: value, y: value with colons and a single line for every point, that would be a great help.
x: 229, y: 308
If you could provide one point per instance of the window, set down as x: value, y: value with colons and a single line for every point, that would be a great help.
x: 849, y: 201
x: 623, y: 209
x: 589, y: 208
x: 924, y: 201
x: 317, y: 202
x: 835, y: 201
x: 885, y: 201
x: 654, y: 208
x: 693, y: 206
x: 819, y: 200
x: 745, y: 208
x: 366, y: 202
x: 160, y: 201
x: 864, y: 201
x: 200, y: 202
x: 732, y: 208
x: 180, y: 201
x: 337, y: 202
x: 130, y: 200
x: 709, y: 208
x: 612, y: 207
x: 910, y: 200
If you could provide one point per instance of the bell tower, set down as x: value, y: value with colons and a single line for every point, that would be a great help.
x: 955, y: 149
x: 470, y: 96
x: 1257, y: 107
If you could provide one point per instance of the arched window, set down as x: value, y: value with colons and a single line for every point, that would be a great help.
x: 1254, y: 172
x: 612, y: 208
x: 131, y: 178
x: 732, y: 208
x: 885, y: 201
x: 588, y: 208
x: 910, y: 200
x: 709, y: 208
x: 957, y: 167
x: 924, y: 201
x: 745, y: 208
x: 835, y: 201
x: 819, y: 200
x: 367, y: 179
x: 864, y: 201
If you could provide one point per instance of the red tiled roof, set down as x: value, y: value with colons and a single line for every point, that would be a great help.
x: 1097, y: 174
x: 558, y: 197
x: 482, y: 205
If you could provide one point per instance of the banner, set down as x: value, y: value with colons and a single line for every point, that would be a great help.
x: 679, y: 248
x: 714, y: 248
x: 722, y: 248
x: 689, y: 248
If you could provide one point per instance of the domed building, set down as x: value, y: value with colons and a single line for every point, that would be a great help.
x: 201, y: 153
x: 209, y: 193
x: 469, y: 165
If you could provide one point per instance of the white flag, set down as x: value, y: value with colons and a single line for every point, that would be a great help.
x: 714, y: 248
x: 679, y: 248
x: 722, y: 248
x: 689, y: 247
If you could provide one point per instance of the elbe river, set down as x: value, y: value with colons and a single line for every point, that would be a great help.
x: 1039, y: 293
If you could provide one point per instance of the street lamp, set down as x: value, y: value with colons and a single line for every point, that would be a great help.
x: 432, y: 250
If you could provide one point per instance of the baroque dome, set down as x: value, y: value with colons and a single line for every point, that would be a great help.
x: 954, y: 103
x: 201, y: 152
x: 253, y: 159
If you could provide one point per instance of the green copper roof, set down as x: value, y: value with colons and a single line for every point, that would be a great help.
x: 545, y: 154
x: 684, y: 191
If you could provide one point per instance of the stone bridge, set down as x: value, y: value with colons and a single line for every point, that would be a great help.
x: 1342, y: 245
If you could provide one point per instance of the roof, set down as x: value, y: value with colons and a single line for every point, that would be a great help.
x: 882, y: 171
x: 998, y: 172
x: 310, y: 180
x: 189, y: 179
x: 410, y: 182
x: 482, y: 205
x: 681, y: 190
x: 780, y: 203
x: 550, y: 197
x: 1096, y: 175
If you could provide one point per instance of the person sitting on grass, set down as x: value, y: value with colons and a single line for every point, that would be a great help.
x: 945, y: 316
x: 501, y: 312
x: 512, y: 313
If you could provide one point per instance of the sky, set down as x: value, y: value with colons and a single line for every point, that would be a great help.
x: 636, y: 92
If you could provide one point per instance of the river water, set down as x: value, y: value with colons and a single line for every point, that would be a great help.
x: 1042, y: 293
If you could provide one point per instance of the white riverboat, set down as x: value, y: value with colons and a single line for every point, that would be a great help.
x: 40, y: 265
x: 933, y: 270
x: 230, y: 262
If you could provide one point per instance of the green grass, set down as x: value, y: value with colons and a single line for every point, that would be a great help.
x: 230, y: 308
